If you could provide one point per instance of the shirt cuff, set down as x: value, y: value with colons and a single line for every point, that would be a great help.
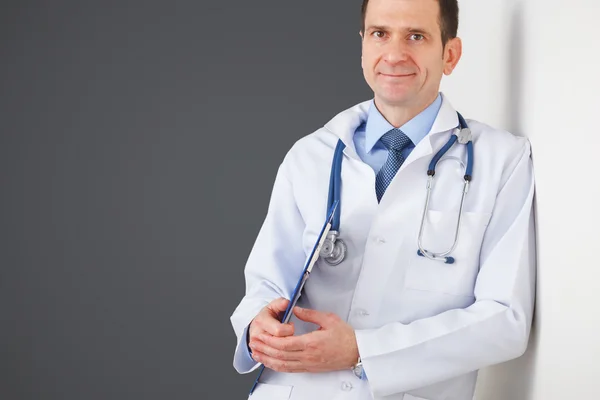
x: 242, y: 360
x: 247, y: 352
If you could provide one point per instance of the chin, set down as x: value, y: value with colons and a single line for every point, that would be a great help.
x: 395, y: 98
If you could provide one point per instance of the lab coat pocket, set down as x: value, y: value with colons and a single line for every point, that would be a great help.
x: 456, y: 279
x: 266, y: 391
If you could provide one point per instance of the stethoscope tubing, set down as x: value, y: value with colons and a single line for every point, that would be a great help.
x: 465, y: 138
x: 335, y: 185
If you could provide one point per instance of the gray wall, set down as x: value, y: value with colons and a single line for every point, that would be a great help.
x: 139, y: 143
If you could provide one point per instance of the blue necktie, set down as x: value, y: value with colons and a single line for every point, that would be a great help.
x: 395, y: 140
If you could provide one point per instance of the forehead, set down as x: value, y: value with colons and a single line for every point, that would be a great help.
x: 403, y: 14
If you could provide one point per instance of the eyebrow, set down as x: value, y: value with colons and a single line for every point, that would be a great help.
x: 377, y: 28
x: 418, y: 30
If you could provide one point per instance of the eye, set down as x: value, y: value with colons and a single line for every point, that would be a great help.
x: 378, y: 34
x: 416, y: 37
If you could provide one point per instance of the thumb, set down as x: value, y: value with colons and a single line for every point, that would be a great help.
x: 314, y: 316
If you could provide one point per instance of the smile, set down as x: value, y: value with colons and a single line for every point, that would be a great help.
x: 396, y: 76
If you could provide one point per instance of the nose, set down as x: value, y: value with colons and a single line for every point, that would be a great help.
x: 396, y: 51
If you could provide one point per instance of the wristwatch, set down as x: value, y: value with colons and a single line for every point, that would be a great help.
x: 358, y: 368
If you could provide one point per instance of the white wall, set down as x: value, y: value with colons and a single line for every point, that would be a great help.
x: 533, y: 67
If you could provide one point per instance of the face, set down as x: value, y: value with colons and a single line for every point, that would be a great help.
x: 403, y: 58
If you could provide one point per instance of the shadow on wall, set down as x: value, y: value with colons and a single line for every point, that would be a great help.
x: 514, y: 379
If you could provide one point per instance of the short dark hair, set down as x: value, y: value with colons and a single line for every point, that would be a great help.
x: 448, y: 18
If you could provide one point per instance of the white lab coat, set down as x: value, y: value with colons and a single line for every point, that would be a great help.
x: 423, y: 327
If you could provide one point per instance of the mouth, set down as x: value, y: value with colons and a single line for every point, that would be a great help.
x: 396, y: 76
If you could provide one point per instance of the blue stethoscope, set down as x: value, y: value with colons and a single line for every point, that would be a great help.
x: 333, y: 251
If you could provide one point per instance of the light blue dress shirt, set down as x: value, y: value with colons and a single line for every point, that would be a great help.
x: 373, y: 152
x: 366, y: 138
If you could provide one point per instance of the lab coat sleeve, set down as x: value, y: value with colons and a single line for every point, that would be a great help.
x: 273, y: 266
x: 495, y: 328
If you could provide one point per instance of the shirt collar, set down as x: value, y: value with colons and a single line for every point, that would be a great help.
x: 416, y: 129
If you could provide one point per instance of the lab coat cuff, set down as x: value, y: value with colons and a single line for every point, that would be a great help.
x: 243, y: 361
x: 367, y: 341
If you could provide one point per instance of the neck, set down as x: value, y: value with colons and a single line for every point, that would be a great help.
x: 398, y: 115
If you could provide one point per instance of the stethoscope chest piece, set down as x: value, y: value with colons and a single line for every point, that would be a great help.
x: 334, y: 249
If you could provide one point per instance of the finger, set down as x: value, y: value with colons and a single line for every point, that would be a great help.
x: 262, y: 348
x: 268, y: 323
x: 316, y: 317
x: 276, y: 328
x: 290, y: 343
x: 279, y: 365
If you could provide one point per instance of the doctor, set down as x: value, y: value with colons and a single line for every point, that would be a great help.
x: 386, y: 322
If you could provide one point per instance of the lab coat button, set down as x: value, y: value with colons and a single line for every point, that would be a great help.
x: 346, y: 386
x: 380, y: 240
x: 361, y: 313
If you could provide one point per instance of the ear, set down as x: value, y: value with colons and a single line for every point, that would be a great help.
x: 361, y: 34
x: 452, y: 54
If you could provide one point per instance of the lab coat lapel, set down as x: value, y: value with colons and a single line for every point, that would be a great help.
x: 446, y: 120
x: 345, y: 124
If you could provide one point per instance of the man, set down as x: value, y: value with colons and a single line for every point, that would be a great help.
x: 387, y: 323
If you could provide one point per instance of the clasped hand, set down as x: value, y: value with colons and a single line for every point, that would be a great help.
x: 330, y: 348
